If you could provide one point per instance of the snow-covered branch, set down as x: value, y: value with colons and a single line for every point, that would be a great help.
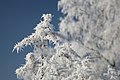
x: 85, y: 48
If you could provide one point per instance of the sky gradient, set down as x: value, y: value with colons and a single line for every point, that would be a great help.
x: 17, y: 20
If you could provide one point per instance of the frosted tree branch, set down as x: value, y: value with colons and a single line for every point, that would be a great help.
x: 86, y: 47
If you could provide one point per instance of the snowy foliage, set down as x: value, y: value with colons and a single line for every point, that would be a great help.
x: 85, y: 48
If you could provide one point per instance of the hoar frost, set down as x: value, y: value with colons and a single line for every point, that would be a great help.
x: 85, y: 48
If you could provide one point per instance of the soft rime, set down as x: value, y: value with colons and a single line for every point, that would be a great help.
x: 85, y: 48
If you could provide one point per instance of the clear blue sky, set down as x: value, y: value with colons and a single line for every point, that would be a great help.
x: 17, y: 20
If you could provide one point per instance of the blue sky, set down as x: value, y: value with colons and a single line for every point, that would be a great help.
x: 17, y: 20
